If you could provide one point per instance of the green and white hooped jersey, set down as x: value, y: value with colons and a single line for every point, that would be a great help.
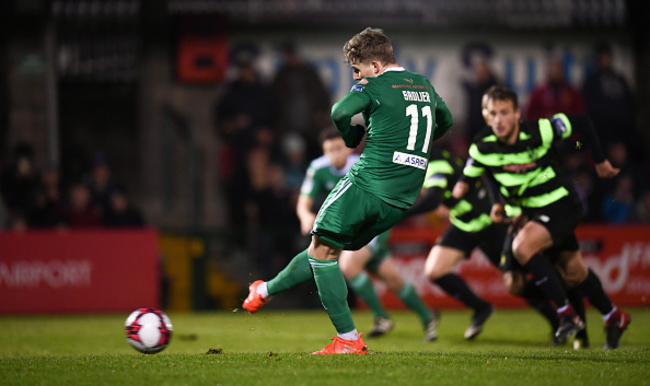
x: 528, y: 171
x: 472, y: 212
x: 321, y: 176
x: 403, y: 114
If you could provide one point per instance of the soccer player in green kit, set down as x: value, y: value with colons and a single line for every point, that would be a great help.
x: 521, y: 158
x: 403, y: 115
x: 322, y: 175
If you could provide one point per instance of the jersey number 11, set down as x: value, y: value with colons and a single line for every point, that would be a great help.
x: 412, y: 111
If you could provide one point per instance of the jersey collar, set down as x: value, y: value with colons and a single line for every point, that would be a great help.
x: 394, y: 69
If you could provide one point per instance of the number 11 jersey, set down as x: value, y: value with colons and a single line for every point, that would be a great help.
x: 403, y: 115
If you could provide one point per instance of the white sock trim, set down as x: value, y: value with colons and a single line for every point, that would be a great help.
x: 359, y: 280
x: 606, y: 317
x: 352, y: 335
x: 262, y: 290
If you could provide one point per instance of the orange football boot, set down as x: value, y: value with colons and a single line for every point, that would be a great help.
x: 254, y: 301
x: 342, y: 346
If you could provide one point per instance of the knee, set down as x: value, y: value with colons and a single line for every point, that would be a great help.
x: 434, y: 272
x: 394, y: 284
x: 521, y: 251
x: 576, y: 274
x: 514, y: 283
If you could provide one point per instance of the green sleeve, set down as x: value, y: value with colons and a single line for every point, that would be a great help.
x: 444, y: 119
x: 342, y: 113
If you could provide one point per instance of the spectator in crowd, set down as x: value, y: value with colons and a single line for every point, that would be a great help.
x: 294, y: 162
x: 270, y: 209
x: 642, y: 209
x: 81, y: 213
x: 243, y: 118
x: 121, y: 213
x: 556, y: 95
x: 49, y: 203
x: 101, y: 183
x: 18, y: 184
x: 302, y: 101
x: 482, y: 79
x: 608, y: 100
x: 619, y: 205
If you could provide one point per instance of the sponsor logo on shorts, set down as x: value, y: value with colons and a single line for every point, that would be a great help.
x: 544, y: 218
x: 410, y: 160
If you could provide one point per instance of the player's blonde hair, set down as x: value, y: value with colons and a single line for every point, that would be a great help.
x: 369, y: 44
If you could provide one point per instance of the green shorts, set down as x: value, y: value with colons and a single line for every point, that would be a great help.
x: 379, y: 251
x: 350, y: 217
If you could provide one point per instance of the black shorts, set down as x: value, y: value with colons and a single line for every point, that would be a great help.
x: 489, y: 240
x: 561, y: 220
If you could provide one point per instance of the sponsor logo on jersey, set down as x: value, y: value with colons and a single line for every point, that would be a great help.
x: 520, y: 168
x: 357, y: 87
x: 410, y: 160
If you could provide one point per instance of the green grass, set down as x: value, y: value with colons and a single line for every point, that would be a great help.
x: 272, y: 348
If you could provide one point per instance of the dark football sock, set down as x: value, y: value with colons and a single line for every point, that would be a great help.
x: 546, y: 279
x: 455, y: 286
x: 592, y: 289
x: 536, y: 299
x: 578, y: 304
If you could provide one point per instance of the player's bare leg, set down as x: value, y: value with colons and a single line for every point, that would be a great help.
x: 438, y: 268
x: 388, y: 273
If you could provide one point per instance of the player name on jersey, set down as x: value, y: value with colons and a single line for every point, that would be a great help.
x: 416, y: 96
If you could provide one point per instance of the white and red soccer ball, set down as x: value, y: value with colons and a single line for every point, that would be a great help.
x: 148, y: 330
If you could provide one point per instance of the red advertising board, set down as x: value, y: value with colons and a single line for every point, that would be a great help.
x: 79, y: 271
x: 619, y: 255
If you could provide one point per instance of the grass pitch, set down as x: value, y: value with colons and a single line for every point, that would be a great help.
x: 272, y: 347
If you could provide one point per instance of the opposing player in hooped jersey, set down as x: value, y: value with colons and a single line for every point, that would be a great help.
x: 472, y: 227
x: 322, y: 175
x: 373, y: 196
x: 520, y: 156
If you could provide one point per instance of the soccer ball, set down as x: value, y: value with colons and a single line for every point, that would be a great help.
x: 148, y: 330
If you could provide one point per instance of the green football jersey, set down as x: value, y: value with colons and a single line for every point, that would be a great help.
x: 321, y: 176
x: 403, y: 115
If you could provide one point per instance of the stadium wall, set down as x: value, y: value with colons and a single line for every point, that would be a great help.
x: 79, y: 271
x: 118, y: 271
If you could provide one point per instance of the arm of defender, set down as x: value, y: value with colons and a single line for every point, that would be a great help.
x: 564, y: 125
x: 305, y: 215
x: 428, y: 202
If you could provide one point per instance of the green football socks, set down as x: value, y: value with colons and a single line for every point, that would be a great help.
x: 333, y: 293
x: 297, y: 271
x: 409, y: 297
x: 363, y: 287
